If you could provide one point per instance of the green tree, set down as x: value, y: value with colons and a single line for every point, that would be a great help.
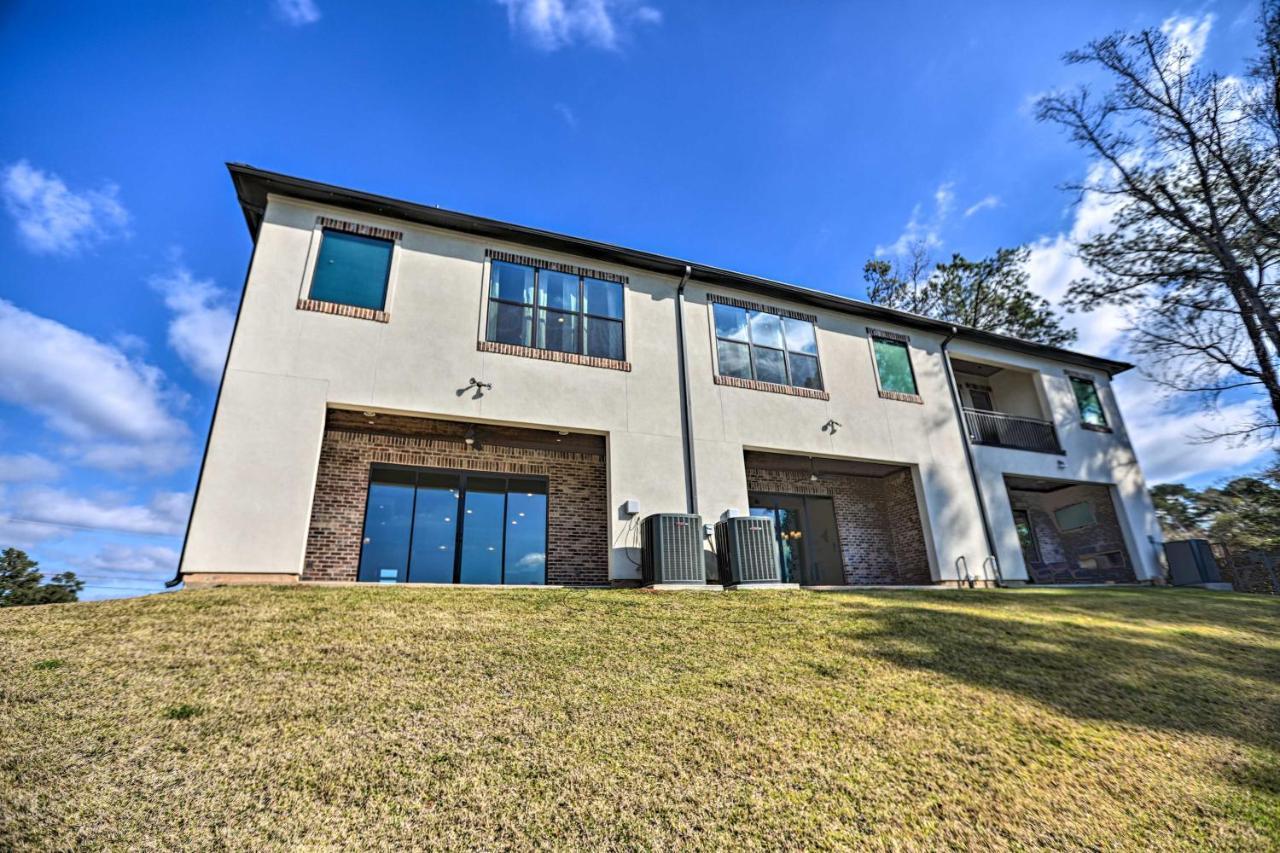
x: 992, y: 294
x: 1181, y: 511
x: 20, y: 583
x: 1244, y: 514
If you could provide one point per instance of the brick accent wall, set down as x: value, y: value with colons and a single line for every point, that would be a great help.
x: 772, y: 387
x: 553, y: 355
x: 340, y: 310
x: 1061, y: 550
x: 578, y: 522
x: 877, y: 520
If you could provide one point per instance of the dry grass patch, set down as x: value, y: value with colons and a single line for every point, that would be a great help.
x: 376, y: 717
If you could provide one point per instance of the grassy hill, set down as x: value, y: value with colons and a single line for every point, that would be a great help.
x: 411, y: 717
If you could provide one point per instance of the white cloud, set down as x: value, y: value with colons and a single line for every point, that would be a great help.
x: 564, y: 111
x: 297, y: 13
x: 143, y: 559
x: 1166, y: 439
x: 553, y: 24
x: 1188, y: 35
x: 985, y: 203
x: 166, y: 514
x: 26, y: 467
x: 114, y: 409
x: 1053, y: 264
x: 200, y: 330
x: 920, y: 230
x: 52, y: 219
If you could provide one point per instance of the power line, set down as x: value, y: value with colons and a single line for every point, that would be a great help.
x: 12, y: 518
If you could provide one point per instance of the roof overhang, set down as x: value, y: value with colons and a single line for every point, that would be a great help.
x: 253, y: 186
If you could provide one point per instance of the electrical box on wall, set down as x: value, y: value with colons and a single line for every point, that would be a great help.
x: 631, y: 507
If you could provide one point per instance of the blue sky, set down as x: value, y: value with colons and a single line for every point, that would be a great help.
x: 788, y: 140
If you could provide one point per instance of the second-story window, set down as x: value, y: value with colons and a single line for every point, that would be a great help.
x: 352, y: 269
x: 552, y: 310
x: 1088, y: 402
x: 893, y: 364
x: 766, y: 347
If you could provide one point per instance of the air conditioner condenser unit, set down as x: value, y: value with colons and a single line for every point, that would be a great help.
x: 747, y: 551
x: 671, y: 549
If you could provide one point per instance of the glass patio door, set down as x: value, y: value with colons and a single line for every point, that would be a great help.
x: 425, y: 526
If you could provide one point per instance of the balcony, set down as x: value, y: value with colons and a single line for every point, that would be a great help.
x: 998, y: 429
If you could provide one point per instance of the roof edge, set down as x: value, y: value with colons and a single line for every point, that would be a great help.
x: 253, y: 185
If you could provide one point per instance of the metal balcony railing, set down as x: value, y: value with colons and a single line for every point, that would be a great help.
x: 1000, y: 430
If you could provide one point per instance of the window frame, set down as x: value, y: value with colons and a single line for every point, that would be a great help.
x: 581, y: 313
x: 1073, y: 379
x: 905, y: 341
x: 413, y: 472
x: 325, y: 223
x: 752, y: 346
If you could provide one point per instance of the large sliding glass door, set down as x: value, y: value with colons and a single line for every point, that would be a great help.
x: 426, y: 526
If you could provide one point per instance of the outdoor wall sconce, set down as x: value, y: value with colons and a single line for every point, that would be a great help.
x: 831, y: 426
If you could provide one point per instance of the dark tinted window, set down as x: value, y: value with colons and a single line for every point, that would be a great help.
x: 352, y: 270
x: 388, y: 523
x: 428, y: 526
x: 526, y: 558
x: 766, y: 347
x: 554, y: 310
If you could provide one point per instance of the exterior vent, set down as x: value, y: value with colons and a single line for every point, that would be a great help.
x: 747, y: 551
x: 671, y: 549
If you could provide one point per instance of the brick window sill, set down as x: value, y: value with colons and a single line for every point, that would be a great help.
x: 772, y: 387
x: 900, y: 397
x: 553, y: 355
x: 337, y: 309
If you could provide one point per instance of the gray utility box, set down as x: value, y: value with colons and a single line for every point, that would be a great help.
x: 671, y: 549
x: 1191, y: 561
x: 747, y: 552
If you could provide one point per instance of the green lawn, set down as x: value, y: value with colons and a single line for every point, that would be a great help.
x: 411, y: 717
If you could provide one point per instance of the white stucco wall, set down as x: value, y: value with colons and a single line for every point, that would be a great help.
x: 1090, y: 457
x: 287, y: 365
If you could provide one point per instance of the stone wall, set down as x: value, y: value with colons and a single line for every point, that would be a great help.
x: 877, y: 520
x: 578, y: 524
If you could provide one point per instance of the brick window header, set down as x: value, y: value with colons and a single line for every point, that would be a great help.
x: 887, y: 335
x: 554, y: 266
x: 356, y: 228
x: 759, y: 306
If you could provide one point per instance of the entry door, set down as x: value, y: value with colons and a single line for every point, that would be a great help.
x: 808, y: 543
x: 828, y: 566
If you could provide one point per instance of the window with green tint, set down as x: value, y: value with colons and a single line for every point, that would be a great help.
x: 1087, y: 401
x: 1074, y: 516
x: 767, y: 347
x: 893, y: 365
x: 554, y: 310
x: 352, y: 270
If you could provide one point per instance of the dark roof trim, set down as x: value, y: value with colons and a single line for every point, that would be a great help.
x: 253, y: 185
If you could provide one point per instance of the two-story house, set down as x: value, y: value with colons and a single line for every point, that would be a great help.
x: 418, y: 395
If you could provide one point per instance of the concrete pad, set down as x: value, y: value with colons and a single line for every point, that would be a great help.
x: 684, y: 587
